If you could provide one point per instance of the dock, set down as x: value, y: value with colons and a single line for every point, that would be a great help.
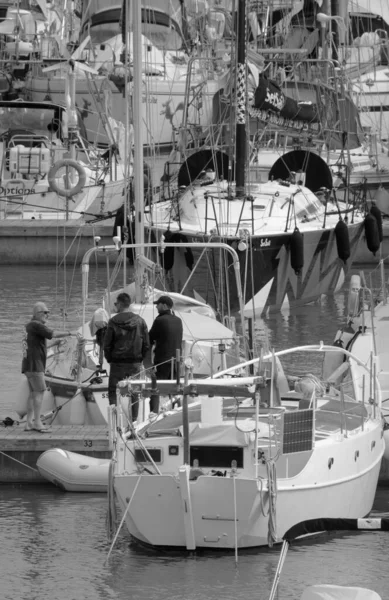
x: 50, y: 242
x: 20, y: 449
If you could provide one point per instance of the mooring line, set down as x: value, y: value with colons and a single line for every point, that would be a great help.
x: 20, y: 462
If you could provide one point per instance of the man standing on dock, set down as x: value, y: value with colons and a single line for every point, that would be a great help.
x: 34, y: 362
x: 126, y: 343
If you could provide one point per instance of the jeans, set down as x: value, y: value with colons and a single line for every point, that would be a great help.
x: 117, y: 372
x: 162, y: 371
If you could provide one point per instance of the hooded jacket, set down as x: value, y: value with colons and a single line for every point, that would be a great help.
x: 126, y: 339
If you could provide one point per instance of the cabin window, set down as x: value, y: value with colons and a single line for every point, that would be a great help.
x: 143, y: 457
x: 216, y: 456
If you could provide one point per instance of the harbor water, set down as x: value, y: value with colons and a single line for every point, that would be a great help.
x: 54, y: 544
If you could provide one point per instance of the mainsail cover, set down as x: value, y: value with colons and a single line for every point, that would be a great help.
x: 268, y: 96
x: 334, y: 116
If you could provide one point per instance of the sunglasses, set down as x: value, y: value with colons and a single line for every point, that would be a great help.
x: 45, y: 312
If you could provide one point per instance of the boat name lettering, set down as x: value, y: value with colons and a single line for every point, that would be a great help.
x: 149, y: 99
x: 88, y: 443
x: 265, y: 243
x: 275, y: 99
x: 7, y: 191
x: 269, y: 117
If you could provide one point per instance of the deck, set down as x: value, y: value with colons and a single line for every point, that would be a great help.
x: 20, y: 449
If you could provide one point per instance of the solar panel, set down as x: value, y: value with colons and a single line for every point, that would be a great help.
x: 297, y: 431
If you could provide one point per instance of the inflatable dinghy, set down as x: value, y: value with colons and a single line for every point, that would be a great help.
x: 74, y: 472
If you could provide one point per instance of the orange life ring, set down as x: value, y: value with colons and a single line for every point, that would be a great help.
x: 70, y: 192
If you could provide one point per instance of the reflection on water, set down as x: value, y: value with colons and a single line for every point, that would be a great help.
x: 54, y: 546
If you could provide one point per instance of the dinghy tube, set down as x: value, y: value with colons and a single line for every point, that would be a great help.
x: 74, y: 472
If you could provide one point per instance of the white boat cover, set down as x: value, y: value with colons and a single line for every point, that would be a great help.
x: 338, y: 592
x: 196, y: 326
x: 217, y: 435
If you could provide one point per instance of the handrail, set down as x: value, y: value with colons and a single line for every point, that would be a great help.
x: 319, y: 348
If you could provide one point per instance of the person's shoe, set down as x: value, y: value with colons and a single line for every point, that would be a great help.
x: 153, y: 416
x: 43, y: 429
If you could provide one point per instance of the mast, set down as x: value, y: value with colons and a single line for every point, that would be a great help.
x: 138, y: 143
x: 240, y: 130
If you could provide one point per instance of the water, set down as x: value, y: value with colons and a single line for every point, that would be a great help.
x: 54, y: 545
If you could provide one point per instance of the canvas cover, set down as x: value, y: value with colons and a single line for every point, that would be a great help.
x: 217, y: 435
x: 338, y: 592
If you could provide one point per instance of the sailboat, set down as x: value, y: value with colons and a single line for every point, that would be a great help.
x: 251, y: 456
x: 48, y: 169
x: 296, y: 238
x: 165, y: 59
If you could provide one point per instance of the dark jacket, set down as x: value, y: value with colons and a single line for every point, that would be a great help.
x: 126, y: 339
x: 166, y: 333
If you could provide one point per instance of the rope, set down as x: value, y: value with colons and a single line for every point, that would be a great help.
x: 20, y: 462
x: 272, y: 487
x: 123, y: 518
x: 112, y: 513
x: 235, y: 517
x: 78, y: 358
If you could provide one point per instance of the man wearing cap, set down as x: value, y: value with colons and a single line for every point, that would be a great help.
x: 34, y: 362
x: 166, y: 336
x: 126, y: 343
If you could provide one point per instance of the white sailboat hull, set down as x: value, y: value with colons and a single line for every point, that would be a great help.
x: 160, y: 515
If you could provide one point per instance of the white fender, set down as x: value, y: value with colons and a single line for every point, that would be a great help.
x: 21, y: 395
x: 353, y: 296
x: 66, y: 162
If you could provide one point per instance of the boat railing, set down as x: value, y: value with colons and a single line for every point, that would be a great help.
x: 41, y: 44
x: 375, y: 282
x: 161, y: 246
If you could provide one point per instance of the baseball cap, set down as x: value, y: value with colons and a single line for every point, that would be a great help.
x: 165, y: 300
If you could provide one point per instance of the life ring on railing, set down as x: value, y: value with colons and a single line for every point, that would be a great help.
x: 67, y: 192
